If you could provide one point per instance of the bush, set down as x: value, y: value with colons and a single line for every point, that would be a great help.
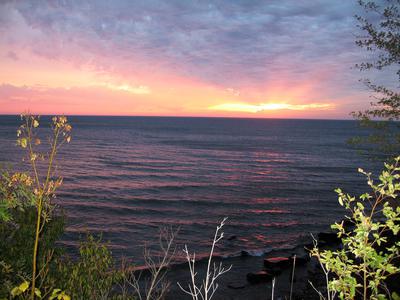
x: 28, y: 222
x: 370, y: 248
x: 92, y: 275
x: 16, y: 249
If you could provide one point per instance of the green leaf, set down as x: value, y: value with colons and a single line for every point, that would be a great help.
x: 395, y: 296
x: 24, y: 286
x: 20, y: 289
x: 15, y: 292
x: 55, y: 294
x: 4, y: 214
x: 65, y: 297
x: 38, y: 293
x: 23, y: 142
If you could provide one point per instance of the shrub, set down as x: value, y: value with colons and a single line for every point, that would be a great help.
x: 367, y: 258
x: 16, y: 249
x: 28, y: 223
x: 92, y: 275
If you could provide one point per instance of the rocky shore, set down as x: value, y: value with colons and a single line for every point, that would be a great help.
x: 285, y: 272
x: 251, y: 277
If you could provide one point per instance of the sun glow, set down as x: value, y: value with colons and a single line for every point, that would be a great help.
x: 255, y: 108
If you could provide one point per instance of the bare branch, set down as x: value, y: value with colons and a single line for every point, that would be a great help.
x: 209, y: 284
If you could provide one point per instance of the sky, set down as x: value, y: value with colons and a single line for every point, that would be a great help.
x: 233, y: 58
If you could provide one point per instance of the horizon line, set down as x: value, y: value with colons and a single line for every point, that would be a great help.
x: 194, y: 117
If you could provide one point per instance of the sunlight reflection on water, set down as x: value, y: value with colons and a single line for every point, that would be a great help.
x: 126, y: 177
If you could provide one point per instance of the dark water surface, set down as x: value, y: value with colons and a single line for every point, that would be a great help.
x: 273, y: 179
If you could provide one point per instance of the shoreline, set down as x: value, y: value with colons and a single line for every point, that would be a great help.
x: 235, y: 284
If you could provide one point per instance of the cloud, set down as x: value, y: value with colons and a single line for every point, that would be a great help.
x: 75, y: 100
x: 224, y: 43
x: 251, y: 108
x: 257, y: 50
x: 12, y: 55
x: 139, y: 90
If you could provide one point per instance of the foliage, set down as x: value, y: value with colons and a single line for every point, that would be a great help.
x: 381, y: 26
x: 29, y: 226
x: 59, y: 295
x: 92, y: 275
x: 16, y: 209
x: 15, y: 193
x: 370, y: 249
x: 45, y: 185
x: 16, y: 250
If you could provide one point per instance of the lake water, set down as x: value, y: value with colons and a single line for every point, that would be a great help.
x: 274, y: 179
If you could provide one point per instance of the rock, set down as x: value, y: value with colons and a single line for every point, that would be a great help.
x: 276, y: 262
x: 329, y: 237
x: 258, y: 277
x: 274, y: 270
x: 244, y: 253
x: 236, y: 285
x: 275, y: 265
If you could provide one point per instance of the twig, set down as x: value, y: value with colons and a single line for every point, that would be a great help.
x: 273, y: 289
x: 209, y: 284
x: 292, y: 279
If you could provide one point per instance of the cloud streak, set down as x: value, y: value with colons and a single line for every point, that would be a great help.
x: 138, y: 90
x: 257, y: 108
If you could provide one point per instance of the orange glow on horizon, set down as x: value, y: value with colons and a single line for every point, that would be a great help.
x: 45, y: 86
